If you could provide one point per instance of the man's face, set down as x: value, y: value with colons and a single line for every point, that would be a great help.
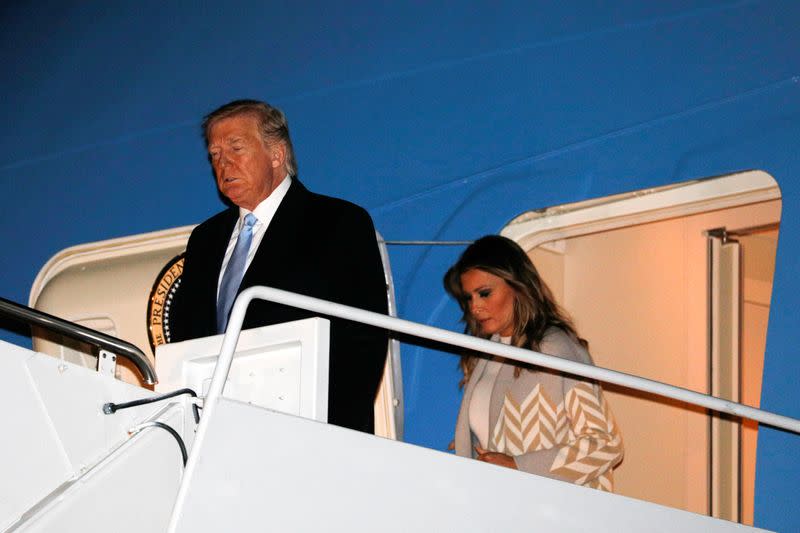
x: 246, y: 168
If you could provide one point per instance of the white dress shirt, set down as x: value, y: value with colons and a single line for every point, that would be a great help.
x: 264, y: 213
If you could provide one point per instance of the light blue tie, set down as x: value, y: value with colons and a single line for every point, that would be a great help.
x: 234, y: 273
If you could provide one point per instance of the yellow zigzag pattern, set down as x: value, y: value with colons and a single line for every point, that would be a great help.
x: 582, y: 425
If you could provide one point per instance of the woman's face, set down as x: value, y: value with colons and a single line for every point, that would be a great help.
x: 490, y: 301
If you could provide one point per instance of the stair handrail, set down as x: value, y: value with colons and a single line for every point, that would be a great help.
x: 481, y: 345
x: 461, y: 340
x: 75, y: 331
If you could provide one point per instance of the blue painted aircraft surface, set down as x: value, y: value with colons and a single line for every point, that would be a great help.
x: 444, y: 119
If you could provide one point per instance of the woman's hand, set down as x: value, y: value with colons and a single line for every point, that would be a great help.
x: 495, y: 458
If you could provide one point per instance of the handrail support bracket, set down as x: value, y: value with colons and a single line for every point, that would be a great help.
x: 107, y: 363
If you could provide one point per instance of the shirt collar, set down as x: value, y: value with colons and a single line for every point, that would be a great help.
x: 266, y: 209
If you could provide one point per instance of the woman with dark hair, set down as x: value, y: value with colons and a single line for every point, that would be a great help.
x: 516, y: 415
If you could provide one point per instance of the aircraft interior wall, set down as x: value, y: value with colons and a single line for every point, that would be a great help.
x: 639, y: 295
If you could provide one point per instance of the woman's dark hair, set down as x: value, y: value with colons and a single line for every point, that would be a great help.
x: 535, y: 309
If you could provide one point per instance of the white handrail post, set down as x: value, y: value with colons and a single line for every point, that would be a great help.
x: 218, y: 379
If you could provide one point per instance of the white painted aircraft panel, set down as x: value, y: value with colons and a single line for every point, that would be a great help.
x: 260, y: 470
x: 282, y: 367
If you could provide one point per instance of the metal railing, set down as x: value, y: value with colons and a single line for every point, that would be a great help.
x: 324, y: 307
x: 481, y: 345
x: 102, y: 341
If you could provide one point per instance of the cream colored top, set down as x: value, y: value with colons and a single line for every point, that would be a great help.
x: 551, y: 424
x: 481, y: 398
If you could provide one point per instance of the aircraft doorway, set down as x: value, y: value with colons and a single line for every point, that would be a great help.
x: 741, y: 268
x: 113, y: 286
x: 634, y: 273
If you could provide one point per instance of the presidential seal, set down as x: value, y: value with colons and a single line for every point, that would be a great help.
x: 161, y: 297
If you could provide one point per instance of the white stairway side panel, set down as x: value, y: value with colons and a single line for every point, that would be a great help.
x: 74, y: 397
x: 30, y: 449
x: 53, y: 425
x: 261, y: 470
x: 131, y: 491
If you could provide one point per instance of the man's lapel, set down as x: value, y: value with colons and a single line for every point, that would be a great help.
x: 279, y: 240
x: 218, y: 244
